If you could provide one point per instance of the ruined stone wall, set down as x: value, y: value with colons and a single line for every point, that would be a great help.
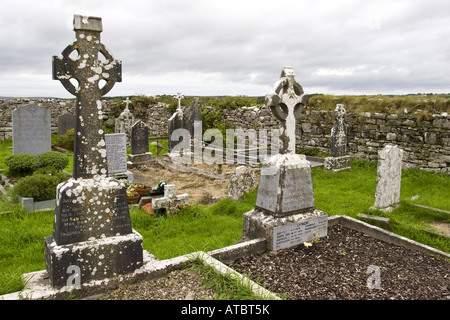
x: 426, y: 141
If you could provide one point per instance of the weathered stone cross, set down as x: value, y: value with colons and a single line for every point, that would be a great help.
x: 127, y: 102
x: 179, y: 97
x: 88, y: 70
x: 287, y: 102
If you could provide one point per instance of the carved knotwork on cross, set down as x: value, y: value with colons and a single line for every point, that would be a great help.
x: 286, y: 102
x: 88, y: 69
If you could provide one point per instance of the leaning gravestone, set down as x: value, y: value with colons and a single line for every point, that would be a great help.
x: 124, y: 122
x: 139, y: 145
x: 285, y: 211
x: 31, y: 129
x: 66, y: 122
x: 389, y: 177
x: 92, y: 234
x: 339, y: 160
x: 176, y: 121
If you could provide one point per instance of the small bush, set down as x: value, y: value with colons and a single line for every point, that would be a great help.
x: 22, y: 164
x: 40, y: 187
x: 54, y: 159
x: 66, y: 141
x: 52, y: 171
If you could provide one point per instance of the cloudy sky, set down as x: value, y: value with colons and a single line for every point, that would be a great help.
x: 236, y: 47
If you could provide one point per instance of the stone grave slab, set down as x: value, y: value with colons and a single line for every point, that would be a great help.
x: 31, y: 129
x: 339, y: 160
x: 139, y: 145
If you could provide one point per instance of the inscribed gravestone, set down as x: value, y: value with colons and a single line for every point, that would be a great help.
x: 92, y: 228
x: 139, y: 145
x: 66, y: 122
x: 389, y: 177
x: 116, y: 153
x: 31, y: 129
x: 285, y: 205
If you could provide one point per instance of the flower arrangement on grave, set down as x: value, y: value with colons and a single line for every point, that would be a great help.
x: 142, y: 189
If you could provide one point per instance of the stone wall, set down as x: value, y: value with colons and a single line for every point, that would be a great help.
x: 426, y: 141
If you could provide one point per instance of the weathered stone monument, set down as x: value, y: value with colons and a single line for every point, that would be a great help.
x: 171, y: 201
x: 139, y: 145
x: 339, y: 160
x: 116, y: 155
x: 31, y: 129
x: 176, y: 121
x: 66, y: 122
x: 242, y: 181
x: 92, y: 234
x: 285, y: 211
x: 389, y: 177
x: 124, y: 123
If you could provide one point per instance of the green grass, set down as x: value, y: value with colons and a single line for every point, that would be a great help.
x: 206, y: 228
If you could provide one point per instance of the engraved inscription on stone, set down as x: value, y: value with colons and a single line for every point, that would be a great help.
x: 290, y: 235
x: 267, y: 197
x: 116, y: 152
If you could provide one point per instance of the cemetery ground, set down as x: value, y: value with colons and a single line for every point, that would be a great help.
x: 213, y: 221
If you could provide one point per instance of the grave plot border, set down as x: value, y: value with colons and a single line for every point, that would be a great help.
x: 40, y: 288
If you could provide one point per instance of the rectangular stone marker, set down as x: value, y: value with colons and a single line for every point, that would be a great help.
x: 389, y: 177
x: 116, y: 152
x: 31, y: 129
x: 139, y: 138
x: 292, y: 234
x: 66, y: 122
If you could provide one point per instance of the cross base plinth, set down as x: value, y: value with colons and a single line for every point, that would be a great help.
x: 285, y: 232
x: 81, y: 262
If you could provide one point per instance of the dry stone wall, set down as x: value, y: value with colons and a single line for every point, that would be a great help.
x: 425, y: 140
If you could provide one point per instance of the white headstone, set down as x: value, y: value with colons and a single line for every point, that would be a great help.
x: 116, y: 153
x: 389, y: 176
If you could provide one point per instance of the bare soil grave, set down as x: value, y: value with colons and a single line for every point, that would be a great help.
x: 336, y: 268
x: 204, y: 183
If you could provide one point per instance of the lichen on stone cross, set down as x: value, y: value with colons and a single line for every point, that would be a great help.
x: 286, y: 102
x: 88, y: 70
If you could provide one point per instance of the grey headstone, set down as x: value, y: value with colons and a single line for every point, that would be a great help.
x: 31, y: 129
x: 242, y: 181
x: 139, y: 138
x: 194, y: 115
x: 66, y: 122
x: 285, y: 186
x: 339, y: 160
x: 176, y: 121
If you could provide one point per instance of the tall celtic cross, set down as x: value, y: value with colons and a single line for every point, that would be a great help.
x: 88, y: 69
x: 286, y: 102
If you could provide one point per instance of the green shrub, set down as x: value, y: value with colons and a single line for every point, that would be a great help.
x: 21, y: 164
x: 40, y: 187
x: 52, y: 171
x: 66, y: 141
x: 54, y: 159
